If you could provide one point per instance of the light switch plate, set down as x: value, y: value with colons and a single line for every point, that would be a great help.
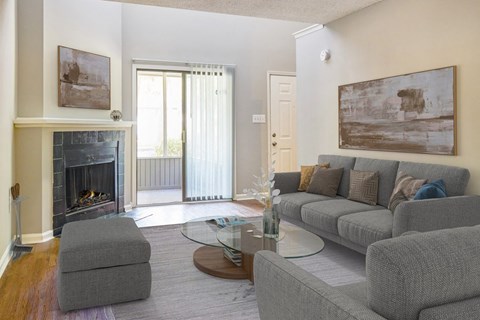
x: 258, y: 118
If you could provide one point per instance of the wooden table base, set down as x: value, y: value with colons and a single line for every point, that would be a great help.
x: 211, y: 261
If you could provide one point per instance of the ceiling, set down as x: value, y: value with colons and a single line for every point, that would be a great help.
x: 310, y: 11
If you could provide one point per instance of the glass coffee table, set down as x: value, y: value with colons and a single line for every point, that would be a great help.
x: 244, y: 236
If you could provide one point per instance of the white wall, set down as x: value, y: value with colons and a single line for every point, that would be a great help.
x: 89, y: 25
x: 387, y: 39
x: 253, y: 45
x: 7, y: 114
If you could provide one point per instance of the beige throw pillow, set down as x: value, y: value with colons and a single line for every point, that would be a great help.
x: 326, y: 182
x: 306, y: 173
x: 363, y: 186
x: 405, y: 189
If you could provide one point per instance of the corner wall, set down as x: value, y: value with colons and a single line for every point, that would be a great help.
x: 88, y: 25
x: 8, y: 46
x: 253, y: 45
x: 386, y: 39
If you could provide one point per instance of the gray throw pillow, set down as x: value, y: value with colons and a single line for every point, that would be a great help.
x: 326, y: 182
x: 363, y: 186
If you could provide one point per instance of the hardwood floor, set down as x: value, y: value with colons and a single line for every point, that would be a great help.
x: 27, y: 287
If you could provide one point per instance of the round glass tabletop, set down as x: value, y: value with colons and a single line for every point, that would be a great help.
x: 245, y: 235
x: 204, y: 230
x: 293, y: 242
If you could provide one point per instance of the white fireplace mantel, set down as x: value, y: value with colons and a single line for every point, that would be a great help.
x: 71, y: 123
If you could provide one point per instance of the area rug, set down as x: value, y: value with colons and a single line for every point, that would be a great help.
x: 180, y: 291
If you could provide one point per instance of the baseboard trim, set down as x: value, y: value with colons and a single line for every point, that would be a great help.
x: 6, y: 257
x: 242, y: 196
x: 128, y: 207
x: 31, y: 238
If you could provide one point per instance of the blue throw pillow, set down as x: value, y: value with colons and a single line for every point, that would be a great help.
x: 434, y: 189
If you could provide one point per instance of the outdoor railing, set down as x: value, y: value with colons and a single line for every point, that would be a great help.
x: 159, y: 173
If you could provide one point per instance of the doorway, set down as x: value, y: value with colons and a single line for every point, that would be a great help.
x: 184, y: 134
x: 282, y: 93
x: 159, y: 136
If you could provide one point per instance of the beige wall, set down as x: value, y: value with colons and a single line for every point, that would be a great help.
x: 387, y: 39
x: 28, y: 162
x: 7, y: 114
x: 30, y: 58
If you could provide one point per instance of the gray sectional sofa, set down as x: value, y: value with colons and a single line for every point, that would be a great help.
x: 357, y: 225
x: 425, y: 276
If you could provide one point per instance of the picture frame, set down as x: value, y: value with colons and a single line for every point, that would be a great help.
x: 83, y: 79
x: 413, y: 113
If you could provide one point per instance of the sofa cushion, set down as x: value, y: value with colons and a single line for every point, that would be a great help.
x: 465, y: 310
x: 422, y: 270
x: 455, y: 178
x: 357, y: 291
x: 346, y: 163
x: 387, y: 172
x: 292, y: 203
x: 363, y: 186
x: 325, y: 181
x: 365, y: 228
x: 324, y: 215
x: 306, y: 173
x: 433, y: 190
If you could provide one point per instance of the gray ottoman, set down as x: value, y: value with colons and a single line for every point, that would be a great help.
x: 102, y: 261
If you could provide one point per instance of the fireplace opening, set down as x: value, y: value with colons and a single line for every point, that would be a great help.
x: 91, y: 186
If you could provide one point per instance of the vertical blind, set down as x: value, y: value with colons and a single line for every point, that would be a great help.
x: 209, y: 133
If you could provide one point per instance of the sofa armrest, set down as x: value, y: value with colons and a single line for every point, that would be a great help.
x: 287, y: 182
x: 285, y: 291
x: 436, y: 214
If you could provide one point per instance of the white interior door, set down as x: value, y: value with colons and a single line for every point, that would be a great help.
x: 283, y: 131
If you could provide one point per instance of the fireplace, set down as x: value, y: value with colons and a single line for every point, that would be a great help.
x: 88, y: 175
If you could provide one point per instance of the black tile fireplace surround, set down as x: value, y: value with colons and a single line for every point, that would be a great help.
x: 88, y: 178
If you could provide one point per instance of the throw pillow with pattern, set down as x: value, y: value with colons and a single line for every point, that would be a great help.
x: 363, y: 186
x: 406, y: 187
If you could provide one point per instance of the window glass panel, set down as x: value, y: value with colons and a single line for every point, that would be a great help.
x: 150, y: 114
x: 174, y: 115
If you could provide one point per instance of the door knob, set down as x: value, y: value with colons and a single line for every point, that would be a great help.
x: 274, y: 144
x: 274, y: 135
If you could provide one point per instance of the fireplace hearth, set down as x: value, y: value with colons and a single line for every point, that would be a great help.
x: 88, y: 175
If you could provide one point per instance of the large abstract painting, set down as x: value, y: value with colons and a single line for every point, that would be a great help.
x: 83, y: 79
x: 408, y: 113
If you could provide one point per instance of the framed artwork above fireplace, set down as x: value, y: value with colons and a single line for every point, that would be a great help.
x: 83, y: 79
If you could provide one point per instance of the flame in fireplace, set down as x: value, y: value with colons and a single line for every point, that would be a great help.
x: 87, y: 198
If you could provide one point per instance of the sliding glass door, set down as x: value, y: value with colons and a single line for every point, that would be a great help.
x: 209, y: 138
x: 184, y: 134
x: 159, y: 136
